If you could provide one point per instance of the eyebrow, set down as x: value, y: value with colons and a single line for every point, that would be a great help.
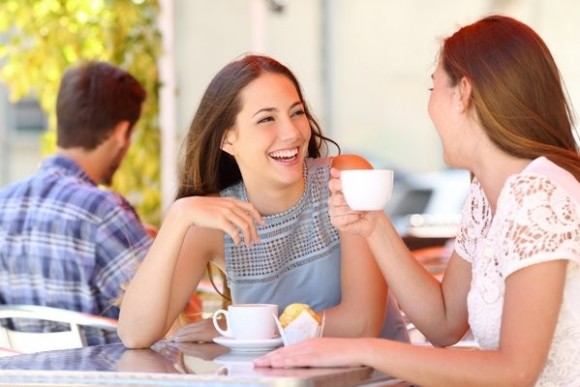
x: 263, y: 110
x: 272, y: 109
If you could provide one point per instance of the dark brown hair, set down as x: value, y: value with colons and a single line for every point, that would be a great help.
x: 204, y: 167
x: 517, y: 92
x: 92, y: 99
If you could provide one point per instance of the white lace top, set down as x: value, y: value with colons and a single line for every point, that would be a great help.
x: 537, y: 220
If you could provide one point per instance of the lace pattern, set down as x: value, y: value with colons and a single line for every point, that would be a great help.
x: 541, y: 221
x: 536, y: 221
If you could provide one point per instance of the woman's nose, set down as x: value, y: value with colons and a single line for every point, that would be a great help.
x: 289, y: 129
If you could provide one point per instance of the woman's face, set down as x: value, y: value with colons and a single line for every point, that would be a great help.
x: 446, y: 112
x: 270, y: 138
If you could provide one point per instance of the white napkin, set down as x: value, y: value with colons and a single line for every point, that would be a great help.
x: 303, y: 327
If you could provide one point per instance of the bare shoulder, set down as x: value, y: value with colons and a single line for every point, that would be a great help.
x: 351, y: 162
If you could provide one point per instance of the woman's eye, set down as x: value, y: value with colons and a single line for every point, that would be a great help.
x: 299, y: 112
x: 266, y: 119
x: 430, y: 88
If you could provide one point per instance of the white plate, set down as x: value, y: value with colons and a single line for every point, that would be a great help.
x: 249, y: 345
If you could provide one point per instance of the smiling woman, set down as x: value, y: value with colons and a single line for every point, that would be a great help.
x: 512, y: 280
x: 253, y: 200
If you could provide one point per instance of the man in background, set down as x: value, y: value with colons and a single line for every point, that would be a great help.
x: 65, y: 242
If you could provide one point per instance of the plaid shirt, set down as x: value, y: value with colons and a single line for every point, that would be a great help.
x: 66, y: 243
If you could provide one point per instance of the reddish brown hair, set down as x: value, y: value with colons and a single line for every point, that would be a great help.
x: 517, y: 93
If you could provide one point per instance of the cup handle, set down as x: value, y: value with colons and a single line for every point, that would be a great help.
x: 226, y: 333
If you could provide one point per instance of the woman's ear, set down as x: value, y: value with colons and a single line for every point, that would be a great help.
x: 228, y: 142
x: 464, y: 93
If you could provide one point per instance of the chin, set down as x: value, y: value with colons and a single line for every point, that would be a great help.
x: 292, y: 176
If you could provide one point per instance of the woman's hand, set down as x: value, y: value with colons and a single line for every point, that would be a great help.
x: 317, y: 352
x: 235, y: 217
x: 199, y: 331
x: 342, y: 216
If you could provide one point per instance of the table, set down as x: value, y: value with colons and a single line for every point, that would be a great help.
x: 171, y: 364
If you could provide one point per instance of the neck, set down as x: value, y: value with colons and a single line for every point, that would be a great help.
x: 275, y: 200
x: 493, y: 174
x: 89, y: 161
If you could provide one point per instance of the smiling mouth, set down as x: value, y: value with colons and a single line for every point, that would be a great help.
x: 284, y: 155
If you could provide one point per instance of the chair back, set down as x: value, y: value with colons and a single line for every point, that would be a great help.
x: 28, y: 342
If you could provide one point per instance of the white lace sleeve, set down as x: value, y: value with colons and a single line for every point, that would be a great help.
x: 538, y: 223
x: 475, y: 220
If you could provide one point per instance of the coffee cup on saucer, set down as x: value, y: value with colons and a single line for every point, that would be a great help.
x: 248, y: 321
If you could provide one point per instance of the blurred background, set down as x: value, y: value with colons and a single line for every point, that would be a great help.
x: 364, y: 65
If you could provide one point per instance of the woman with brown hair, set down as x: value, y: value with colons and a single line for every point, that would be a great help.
x: 253, y: 199
x: 501, y: 112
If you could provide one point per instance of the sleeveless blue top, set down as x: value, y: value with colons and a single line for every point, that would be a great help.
x: 298, y: 257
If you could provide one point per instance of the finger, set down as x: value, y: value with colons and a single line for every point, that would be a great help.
x: 271, y: 358
x: 232, y: 231
x: 232, y: 221
x: 344, y: 222
x: 251, y: 211
x: 248, y: 229
x: 337, y: 209
x: 245, y: 225
x: 337, y: 200
x: 244, y: 215
x: 286, y: 360
x: 186, y: 330
x: 335, y: 186
x: 180, y: 339
x: 179, y: 335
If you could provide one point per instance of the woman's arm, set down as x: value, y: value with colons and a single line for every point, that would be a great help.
x: 532, y: 303
x: 190, y: 236
x: 437, y: 309
x: 158, y: 291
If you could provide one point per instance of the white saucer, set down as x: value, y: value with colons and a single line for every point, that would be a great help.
x: 249, y: 345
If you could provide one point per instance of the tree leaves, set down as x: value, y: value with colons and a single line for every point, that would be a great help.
x: 39, y: 39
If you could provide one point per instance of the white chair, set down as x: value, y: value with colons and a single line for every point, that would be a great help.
x: 28, y: 342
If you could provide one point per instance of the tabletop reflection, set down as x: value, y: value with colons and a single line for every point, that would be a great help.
x: 165, y: 363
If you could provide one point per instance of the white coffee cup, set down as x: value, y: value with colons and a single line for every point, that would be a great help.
x: 248, y: 321
x: 367, y: 189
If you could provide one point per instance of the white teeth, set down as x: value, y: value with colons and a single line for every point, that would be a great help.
x: 284, y: 154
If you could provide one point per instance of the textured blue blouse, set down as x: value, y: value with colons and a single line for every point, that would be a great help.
x: 298, y: 257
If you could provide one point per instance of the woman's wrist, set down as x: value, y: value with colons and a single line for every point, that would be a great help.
x: 380, y: 231
x: 180, y: 212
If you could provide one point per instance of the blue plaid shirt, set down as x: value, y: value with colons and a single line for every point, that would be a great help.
x: 66, y: 243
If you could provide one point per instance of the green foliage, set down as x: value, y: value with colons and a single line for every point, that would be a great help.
x: 41, y: 38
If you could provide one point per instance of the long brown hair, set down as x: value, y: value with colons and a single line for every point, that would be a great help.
x: 518, y: 93
x: 204, y: 167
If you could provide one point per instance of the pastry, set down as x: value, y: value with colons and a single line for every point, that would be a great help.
x: 293, y: 310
